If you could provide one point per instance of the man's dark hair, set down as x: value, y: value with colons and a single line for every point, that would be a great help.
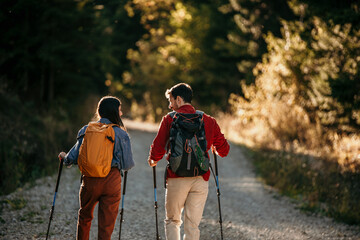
x: 183, y: 90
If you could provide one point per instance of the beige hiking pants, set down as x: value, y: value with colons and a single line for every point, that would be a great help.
x: 190, y: 194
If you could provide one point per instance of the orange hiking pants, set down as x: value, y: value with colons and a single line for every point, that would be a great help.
x: 105, y: 191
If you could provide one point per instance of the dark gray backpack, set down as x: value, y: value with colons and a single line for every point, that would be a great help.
x: 188, y: 155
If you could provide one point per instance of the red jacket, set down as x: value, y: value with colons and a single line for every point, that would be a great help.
x: 212, y: 132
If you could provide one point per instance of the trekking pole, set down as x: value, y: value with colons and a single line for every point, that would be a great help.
x: 56, y: 189
x: 216, y: 176
x: 155, y: 206
x: 122, y: 203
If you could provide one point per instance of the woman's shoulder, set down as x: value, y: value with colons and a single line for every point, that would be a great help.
x: 120, y: 132
x: 82, y: 131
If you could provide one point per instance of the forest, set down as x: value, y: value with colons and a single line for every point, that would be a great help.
x: 282, y: 77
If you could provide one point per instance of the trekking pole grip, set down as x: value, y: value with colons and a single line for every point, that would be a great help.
x: 124, y: 185
x: 215, y: 160
x: 216, y: 170
x: 59, y: 174
x: 218, y: 190
x: 154, y: 178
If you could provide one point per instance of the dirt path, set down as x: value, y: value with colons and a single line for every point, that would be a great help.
x: 250, y: 210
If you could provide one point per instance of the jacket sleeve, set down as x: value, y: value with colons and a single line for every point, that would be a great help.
x: 219, y: 141
x: 72, y: 156
x: 127, y: 161
x: 159, y: 146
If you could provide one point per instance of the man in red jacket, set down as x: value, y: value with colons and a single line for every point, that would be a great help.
x: 185, y: 193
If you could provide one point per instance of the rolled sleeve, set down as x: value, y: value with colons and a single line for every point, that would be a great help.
x: 72, y: 156
x: 127, y: 156
x: 220, y: 142
x: 159, y: 146
x: 123, y: 153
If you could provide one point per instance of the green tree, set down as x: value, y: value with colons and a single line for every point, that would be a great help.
x: 184, y: 43
x: 309, y: 76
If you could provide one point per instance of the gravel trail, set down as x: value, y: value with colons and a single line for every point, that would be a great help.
x: 250, y: 209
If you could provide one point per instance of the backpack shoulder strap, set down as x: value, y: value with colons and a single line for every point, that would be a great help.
x: 113, y: 125
x: 80, y: 136
x: 172, y: 114
x: 201, y: 113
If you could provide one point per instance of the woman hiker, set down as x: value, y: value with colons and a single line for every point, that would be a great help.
x: 101, y: 184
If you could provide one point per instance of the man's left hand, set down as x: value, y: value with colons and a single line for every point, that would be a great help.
x: 152, y: 163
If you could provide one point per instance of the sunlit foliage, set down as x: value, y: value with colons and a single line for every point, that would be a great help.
x: 302, y: 111
x: 298, y: 95
x: 185, y: 42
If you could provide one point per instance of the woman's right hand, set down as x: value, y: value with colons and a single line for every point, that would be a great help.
x: 62, y: 155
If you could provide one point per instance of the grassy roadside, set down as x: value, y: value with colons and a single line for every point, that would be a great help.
x: 325, y: 190
x: 322, y: 171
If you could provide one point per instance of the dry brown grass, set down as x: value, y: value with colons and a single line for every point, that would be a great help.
x: 299, y: 158
x: 283, y: 127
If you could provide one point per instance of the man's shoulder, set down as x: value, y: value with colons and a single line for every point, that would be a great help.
x: 167, y: 120
x: 208, y: 119
x: 204, y: 114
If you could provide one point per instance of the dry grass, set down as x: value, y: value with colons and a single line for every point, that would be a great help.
x: 319, y: 168
x: 288, y: 129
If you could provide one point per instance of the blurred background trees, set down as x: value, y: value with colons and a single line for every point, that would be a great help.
x: 280, y: 75
x: 306, y: 89
x: 57, y: 58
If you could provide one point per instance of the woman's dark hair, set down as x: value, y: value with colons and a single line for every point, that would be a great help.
x: 108, y: 107
x: 183, y: 90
